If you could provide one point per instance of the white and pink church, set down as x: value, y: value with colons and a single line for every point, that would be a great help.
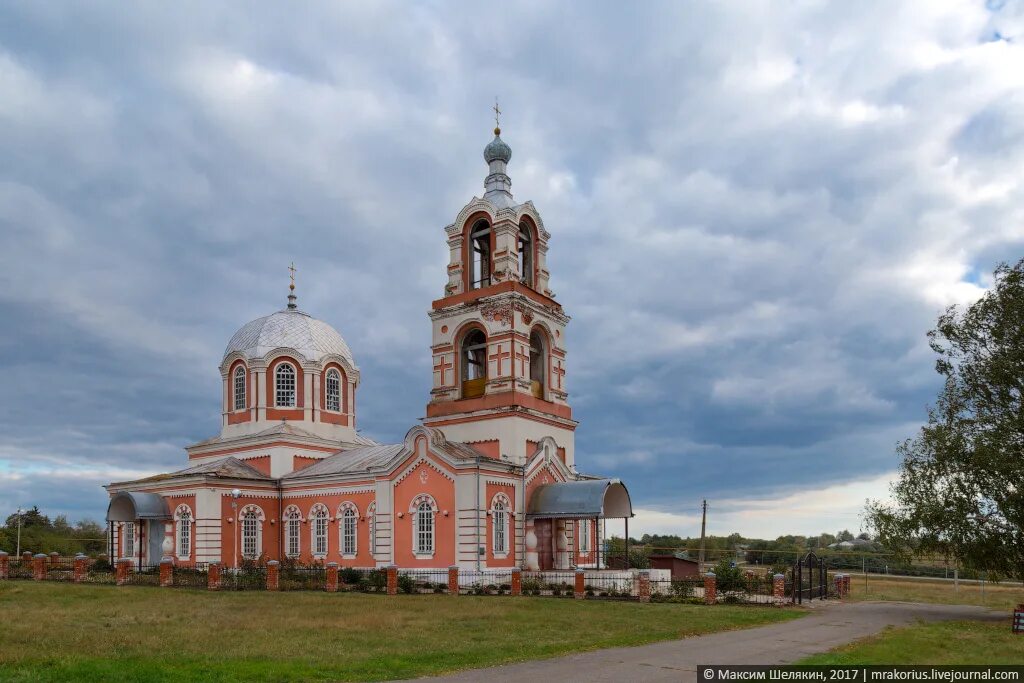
x: 488, y: 480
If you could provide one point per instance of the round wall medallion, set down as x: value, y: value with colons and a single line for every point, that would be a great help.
x: 444, y: 329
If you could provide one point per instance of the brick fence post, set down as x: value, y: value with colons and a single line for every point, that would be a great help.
x: 213, y: 576
x: 392, y: 572
x: 54, y: 559
x: 166, y: 572
x: 81, y: 567
x: 124, y: 566
x: 710, y: 592
x: 26, y: 559
x: 273, y: 575
x: 579, y: 589
x: 453, y: 580
x: 517, y: 581
x: 643, y: 586
x: 846, y: 585
x: 779, y: 587
x: 332, y: 578
x: 39, y: 567
x: 4, y: 565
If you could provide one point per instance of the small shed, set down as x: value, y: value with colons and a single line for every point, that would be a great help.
x: 681, y: 567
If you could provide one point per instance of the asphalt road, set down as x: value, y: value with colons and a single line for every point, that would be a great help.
x: 827, y: 627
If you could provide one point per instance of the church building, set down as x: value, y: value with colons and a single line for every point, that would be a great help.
x: 488, y: 480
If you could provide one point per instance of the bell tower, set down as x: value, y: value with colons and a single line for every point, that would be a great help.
x: 498, y: 332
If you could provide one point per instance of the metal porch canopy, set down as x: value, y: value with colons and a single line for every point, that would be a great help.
x: 585, y: 499
x: 128, y: 506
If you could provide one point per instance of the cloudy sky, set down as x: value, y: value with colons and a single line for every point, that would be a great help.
x: 757, y: 211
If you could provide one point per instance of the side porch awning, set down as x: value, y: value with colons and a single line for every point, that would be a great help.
x: 588, y: 499
x: 128, y: 506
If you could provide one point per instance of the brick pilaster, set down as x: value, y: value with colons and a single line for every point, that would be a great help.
x: 710, y: 592
x: 331, y: 586
x: 123, y: 567
x: 392, y: 573
x: 213, y: 576
x: 517, y: 581
x: 273, y: 575
x: 54, y: 559
x: 779, y: 586
x: 846, y: 585
x: 166, y: 572
x: 453, y: 580
x: 39, y: 567
x: 81, y: 567
x: 26, y: 559
x: 4, y: 565
x: 643, y: 586
x: 579, y: 590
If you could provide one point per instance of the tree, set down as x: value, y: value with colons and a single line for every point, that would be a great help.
x: 844, y: 535
x: 959, y: 490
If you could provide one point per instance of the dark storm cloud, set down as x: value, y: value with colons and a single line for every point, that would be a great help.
x: 756, y: 215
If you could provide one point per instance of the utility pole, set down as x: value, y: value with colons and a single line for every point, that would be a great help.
x: 17, y: 553
x: 703, y: 528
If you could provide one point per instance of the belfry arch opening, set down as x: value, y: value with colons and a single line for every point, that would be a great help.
x: 480, y: 255
x: 525, y: 254
x: 474, y: 363
x: 538, y: 362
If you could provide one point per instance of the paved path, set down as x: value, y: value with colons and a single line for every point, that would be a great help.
x: 676, y: 660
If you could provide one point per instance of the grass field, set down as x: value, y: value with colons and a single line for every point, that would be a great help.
x: 59, y: 632
x: 910, y: 590
x: 951, y: 642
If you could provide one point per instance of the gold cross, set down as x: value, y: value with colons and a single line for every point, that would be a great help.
x: 497, y: 113
x: 292, y: 275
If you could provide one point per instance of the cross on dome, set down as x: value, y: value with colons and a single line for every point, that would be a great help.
x: 291, y: 288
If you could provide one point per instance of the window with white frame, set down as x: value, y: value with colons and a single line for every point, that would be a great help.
x: 584, y: 527
x: 183, y: 521
x: 284, y: 386
x: 239, y: 386
x: 424, y: 519
x: 251, y: 518
x: 319, y: 518
x: 500, y: 508
x: 371, y: 519
x: 292, y: 527
x: 334, y: 390
x: 349, y: 517
x: 128, y: 540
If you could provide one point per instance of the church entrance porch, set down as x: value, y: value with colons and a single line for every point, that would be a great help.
x: 136, y: 527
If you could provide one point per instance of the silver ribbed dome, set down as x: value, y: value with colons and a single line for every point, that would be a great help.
x: 292, y: 329
x: 496, y: 149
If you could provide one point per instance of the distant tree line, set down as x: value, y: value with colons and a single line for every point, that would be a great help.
x: 40, y: 534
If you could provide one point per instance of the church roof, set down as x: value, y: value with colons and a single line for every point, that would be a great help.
x: 279, y: 429
x: 226, y: 468
x: 292, y: 329
x: 370, y: 457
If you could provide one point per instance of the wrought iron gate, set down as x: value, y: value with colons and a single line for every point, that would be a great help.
x: 810, y: 578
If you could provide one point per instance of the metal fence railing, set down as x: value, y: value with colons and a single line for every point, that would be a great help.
x: 554, y: 584
x: 362, y: 580
x: 491, y: 582
x: 146, y: 575
x: 195, y: 576
x: 19, y: 569
x: 299, y: 578
x: 244, y: 579
x: 423, y: 581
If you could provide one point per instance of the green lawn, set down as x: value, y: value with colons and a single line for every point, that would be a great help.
x: 59, y: 632
x: 909, y: 590
x: 950, y: 642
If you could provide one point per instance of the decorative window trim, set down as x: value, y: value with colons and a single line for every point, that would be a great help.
x: 278, y: 372
x: 128, y: 534
x: 238, y: 389
x: 333, y: 374
x: 423, y: 504
x: 504, y: 512
x: 317, y: 514
x: 291, y: 515
x: 348, y: 512
x: 255, y: 514
x: 184, y: 522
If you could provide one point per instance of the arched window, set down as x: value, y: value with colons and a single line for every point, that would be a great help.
x: 292, y: 526
x: 349, y: 538
x: 423, y: 510
x: 239, y: 387
x: 474, y: 364
x: 128, y: 542
x: 284, y: 386
x: 584, y: 525
x: 538, y: 362
x: 525, y: 255
x: 252, y: 527
x: 371, y: 518
x: 334, y: 390
x: 183, y: 522
x: 319, y: 517
x: 500, y: 507
x: 480, y: 255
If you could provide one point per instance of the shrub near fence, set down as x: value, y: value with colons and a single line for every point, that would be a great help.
x: 299, y: 578
x: 245, y: 578
x: 555, y: 584
x: 146, y: 575
x: 362, y: 580
x: 60, y: 569
x: 19, y: 569
x: 196, y: 576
